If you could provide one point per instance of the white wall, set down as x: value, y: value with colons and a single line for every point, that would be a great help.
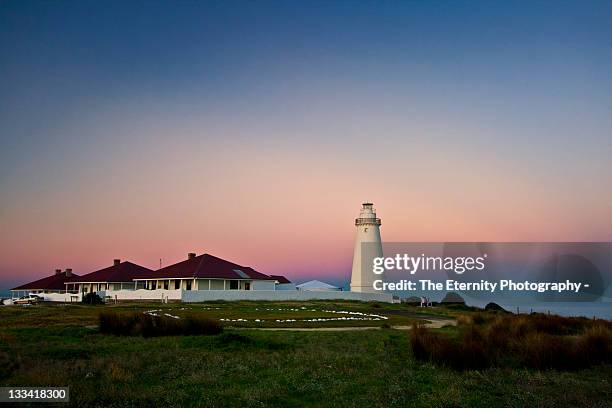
x: 286, y: 286
x: 61, y: 297
x: 263, y: 285
x: 229, y: 295
x: 205, y: 295
x: 142, y: 294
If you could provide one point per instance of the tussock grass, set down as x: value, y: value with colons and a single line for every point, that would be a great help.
x: 534, y: 341
x: 141, y: 324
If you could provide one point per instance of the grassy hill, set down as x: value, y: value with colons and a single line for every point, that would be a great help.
x: 53, y: 345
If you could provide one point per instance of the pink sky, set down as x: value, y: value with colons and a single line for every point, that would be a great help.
x: 286, y: 212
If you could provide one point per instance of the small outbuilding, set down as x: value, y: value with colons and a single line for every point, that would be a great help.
x: 317, y: 286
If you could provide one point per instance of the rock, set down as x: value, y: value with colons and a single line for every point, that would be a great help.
x: 452, y: 297
x: 494, y: 307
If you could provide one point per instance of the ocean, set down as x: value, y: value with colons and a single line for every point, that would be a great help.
x: 602, y: 310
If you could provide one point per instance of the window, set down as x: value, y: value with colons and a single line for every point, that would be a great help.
x: 217, y: 284
x: 154, y: 285
x: 188, y: 285
x: 247, y: 285
x: 166, y: 285
x: 177, y: 284
x: 233, y: 285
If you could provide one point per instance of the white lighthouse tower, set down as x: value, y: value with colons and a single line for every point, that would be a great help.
x: 367, y: 247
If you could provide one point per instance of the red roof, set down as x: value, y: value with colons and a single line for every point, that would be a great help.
x: 123, y: 272
x: 206, y: 267
x: 53, y: 282
x: 280, y: 278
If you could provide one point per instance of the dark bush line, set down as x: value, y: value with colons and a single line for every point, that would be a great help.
x: 92, y: 298
x: 141, y: 324
x: 535, y: 341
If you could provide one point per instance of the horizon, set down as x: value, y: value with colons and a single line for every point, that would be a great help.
x: 254, y: 132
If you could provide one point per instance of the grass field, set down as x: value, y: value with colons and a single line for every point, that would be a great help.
x: 61, y: 345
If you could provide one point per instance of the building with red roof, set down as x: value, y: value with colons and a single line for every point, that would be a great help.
x: 206, y: 272
x: 128, y: 281
x: 119, y: 276
x: 50, y: 284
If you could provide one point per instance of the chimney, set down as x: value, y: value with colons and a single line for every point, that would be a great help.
x: 191, y: 255
x: 116, y: 262
x: 68, y: 272
x: 58, y: 271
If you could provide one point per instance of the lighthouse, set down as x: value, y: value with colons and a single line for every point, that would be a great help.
x: 367, y: 247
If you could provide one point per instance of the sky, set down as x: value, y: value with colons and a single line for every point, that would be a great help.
x: 254, y: 130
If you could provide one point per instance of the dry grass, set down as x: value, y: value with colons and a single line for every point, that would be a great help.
x: 535, y: 341
x: 141, y: 324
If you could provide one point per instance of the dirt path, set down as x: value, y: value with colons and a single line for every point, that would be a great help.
x: 432, y: 324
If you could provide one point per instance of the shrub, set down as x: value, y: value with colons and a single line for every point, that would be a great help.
x: 146, y: 325
x: 468, y: 354
x: 424, y: 344
x: 535, y: 341
x: 92, y: 298
x: 479, y: 318
x: 595, y: 345
x: 542, y: 351
x: 463, y: 320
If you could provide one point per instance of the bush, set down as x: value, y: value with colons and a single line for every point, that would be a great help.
x: 595, y: 345
x: 464, y: 320
x: 146, y: 325
x: 468, y: 354
x: 537, y: 341
x: 92, y: 298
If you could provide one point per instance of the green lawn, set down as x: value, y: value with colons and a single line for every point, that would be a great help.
x: 57, y: 346
x: 268, y: 313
